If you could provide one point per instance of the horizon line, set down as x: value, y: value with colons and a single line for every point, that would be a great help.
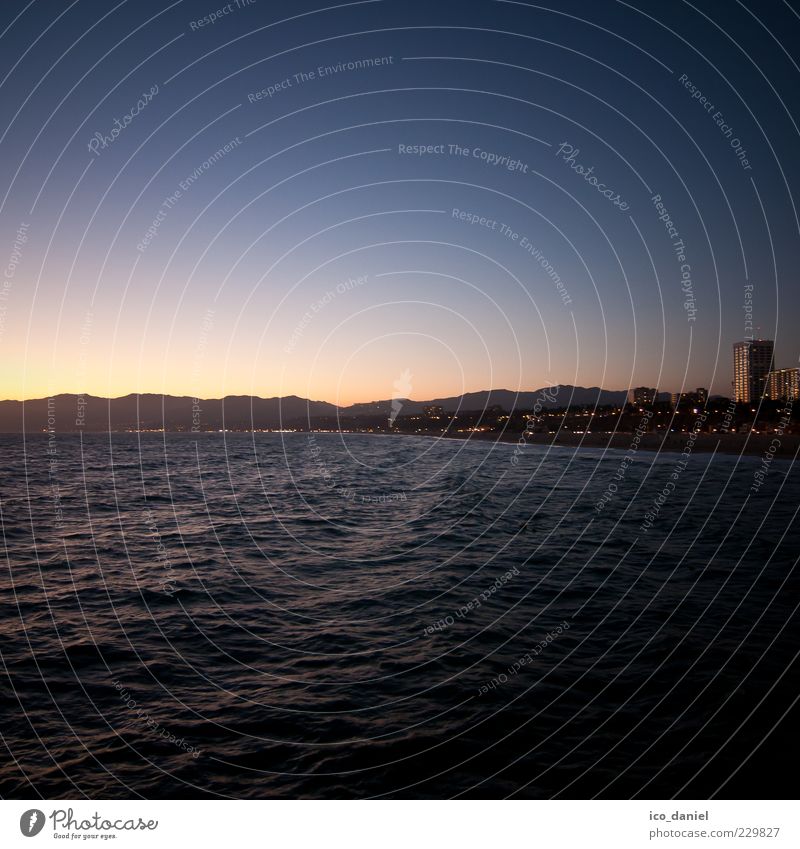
x: 332, y: 403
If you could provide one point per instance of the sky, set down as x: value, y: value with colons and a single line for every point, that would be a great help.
x: 363, y: 200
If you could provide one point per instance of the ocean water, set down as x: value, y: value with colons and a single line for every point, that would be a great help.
x: 283, y: 615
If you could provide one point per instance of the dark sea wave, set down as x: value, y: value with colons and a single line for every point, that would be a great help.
x: 352, y: 616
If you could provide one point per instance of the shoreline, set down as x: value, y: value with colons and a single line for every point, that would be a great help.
x: 784, y: 446
x: 738, y: 444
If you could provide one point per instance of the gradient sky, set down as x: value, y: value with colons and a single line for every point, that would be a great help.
x: 221, y: 300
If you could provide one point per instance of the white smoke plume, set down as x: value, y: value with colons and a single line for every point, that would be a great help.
x: 401, y: 390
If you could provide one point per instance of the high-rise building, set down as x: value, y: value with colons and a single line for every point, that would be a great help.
x: 752, y: 363
x: 697, y: 398
x: 784, y: 384
x: 642, y: 396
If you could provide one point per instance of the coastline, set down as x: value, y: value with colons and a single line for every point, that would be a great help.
x: 786, y: 446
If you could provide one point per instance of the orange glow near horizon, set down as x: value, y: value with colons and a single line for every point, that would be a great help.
x: 343, y: 386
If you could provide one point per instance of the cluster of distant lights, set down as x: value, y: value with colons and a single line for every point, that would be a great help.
x: 475, y: 429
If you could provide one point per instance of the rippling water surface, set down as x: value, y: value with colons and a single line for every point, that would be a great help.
x: 348, y: 616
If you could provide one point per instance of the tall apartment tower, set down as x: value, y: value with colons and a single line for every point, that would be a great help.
x: 752, y: 363
x: 784, y: 384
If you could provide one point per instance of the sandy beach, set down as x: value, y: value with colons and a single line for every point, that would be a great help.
x: 755, y: 444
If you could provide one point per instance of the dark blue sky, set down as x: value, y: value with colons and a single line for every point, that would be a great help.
x: 205, y: 247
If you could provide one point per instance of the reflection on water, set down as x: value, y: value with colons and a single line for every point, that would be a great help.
x: 298, y: 615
